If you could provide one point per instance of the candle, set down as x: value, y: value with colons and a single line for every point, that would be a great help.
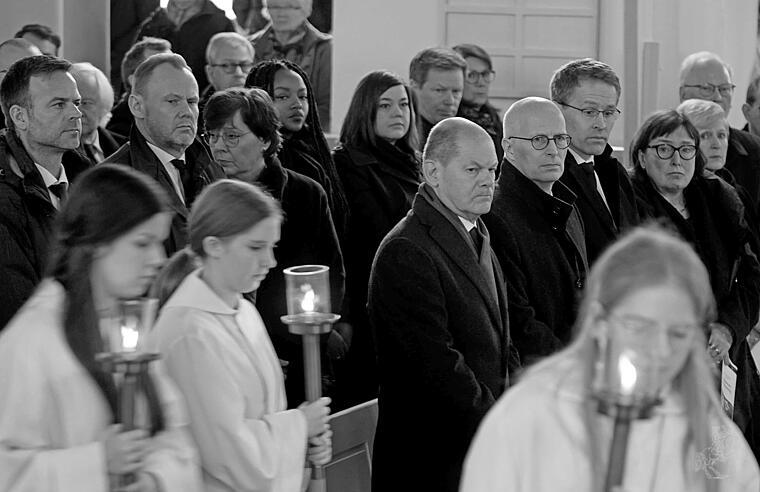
x: 129, y: 335
x: 309, y: 299
x: 628, y: 374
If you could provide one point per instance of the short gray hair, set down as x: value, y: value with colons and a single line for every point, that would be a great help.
x: 570, y: 75
x: 101, y: 81
x: 229, y: 39
x: 146, y: 68
x: 699, y: 57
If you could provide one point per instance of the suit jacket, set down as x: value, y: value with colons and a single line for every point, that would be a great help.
x: 602, y: 225
x: 540, y: 243
x: 743, y: 160
x: 203, y: 169
x: 443, y: 350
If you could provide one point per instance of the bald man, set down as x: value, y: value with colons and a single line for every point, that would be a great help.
x: 536, y: 230
x: 438, y: 308
x: 12, y: 51
x: 705, y: 76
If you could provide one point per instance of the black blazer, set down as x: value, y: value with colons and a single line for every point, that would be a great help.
x: 743, y: 160
x: 603, y: 226
x: 443, y: 351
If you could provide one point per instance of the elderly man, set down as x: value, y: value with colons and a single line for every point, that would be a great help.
x: 587, y: 92
x: 438, y: 308
x: 162, y: 143
x: 437, y: 80
x: 97, y: 100
x: 121, y: 118
x: 42, y: 37
x: 751, y: 107
x: 536, y: 230
x: 705, y: 76
x: 39, y: 98
x: 12, y: 51
x: 229, y: 58
x: 292, y: 37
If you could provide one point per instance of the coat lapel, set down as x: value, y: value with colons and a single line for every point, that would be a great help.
x: 590, y: 195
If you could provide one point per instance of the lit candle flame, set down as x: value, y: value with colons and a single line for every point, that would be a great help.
x: 129, y: 336
x: 308, y: 301
x: 627, y: 374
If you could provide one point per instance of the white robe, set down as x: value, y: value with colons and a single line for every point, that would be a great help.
x: 52, y: 412
x: 224, y: 363
x: 534, y: 440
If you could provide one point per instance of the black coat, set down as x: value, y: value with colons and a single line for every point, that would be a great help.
x: 203, y: 170
x: 602, y: 226
x: 443, y: 350
x: 121, y: 118
x: 743, y: 160
x: 539, y: 241
x: 380, y: 184
x: 307, y: 237
x: 720, y: 235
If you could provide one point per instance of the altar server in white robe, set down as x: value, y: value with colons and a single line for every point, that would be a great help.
x: 57, y: 404
x: 218, y: 352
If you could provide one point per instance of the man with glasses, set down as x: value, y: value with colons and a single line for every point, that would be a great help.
x: 587, y: 92
x: 474, y: 105
x: 163, y: 143
x: 705, y: 76
x: 229, y: 58
x: 536, y: 230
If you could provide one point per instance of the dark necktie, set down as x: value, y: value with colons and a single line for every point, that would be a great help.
x: 588, y: 173
x: 93, y: 153
x: 477, y: 240
x: 180, y: 165
x: 60, y: 190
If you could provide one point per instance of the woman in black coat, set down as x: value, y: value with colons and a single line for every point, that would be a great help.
x: 243, y: 135
x: 671, y: 184
x: 379, y: 171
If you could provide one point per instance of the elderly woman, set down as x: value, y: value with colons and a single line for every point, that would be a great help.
x: 242, y: 131
x: 379, y: 170
x: 648, y: 288
x: 477, y: 83
x: 290, y: 36
x: 671, y: 185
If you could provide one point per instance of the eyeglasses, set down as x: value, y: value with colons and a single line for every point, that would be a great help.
x: 486, y: 75
x: 230, y: 139
x: 231, y: 68
x: 540, y: 142
x: 666, y: 151
x: 593, y: 113
x: 707, y: 90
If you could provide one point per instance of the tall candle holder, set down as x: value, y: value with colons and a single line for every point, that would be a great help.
x: 127, y: 358
x: 626, y: 387
x: 307, y: 291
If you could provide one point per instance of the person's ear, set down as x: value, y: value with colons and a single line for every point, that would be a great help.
x: 208, y: 68
x: 509, y: 150
x: 746, y: 108
x: 136, y: 106
x: 431, y: 172
x: 213, y: 247
x: 19, y: 116
x: 641, y: 160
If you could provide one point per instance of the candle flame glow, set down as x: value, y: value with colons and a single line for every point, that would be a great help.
x: 308, y: 301
x: 628, y: 374
x: 129, y: 337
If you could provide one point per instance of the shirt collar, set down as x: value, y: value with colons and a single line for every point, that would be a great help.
x: 578, y: 158
x: 194, y: 292
x: 466, y: 223
x: 163, y: 155
x: 49, y: 179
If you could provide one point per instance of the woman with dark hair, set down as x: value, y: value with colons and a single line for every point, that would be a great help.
x: 379, y: 170
x: 304, y: 148
x: 648, y: 296
x: 58, y: 403
x: 242, y: 132
x: 477, y: 84
x: 218, y: 352
x: 671, y: 185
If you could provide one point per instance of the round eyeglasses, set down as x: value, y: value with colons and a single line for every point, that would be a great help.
x: 707, y: 90
x: 486, y: 75
x: 231, y: 68
x: 666, y: 151
x: 540, y: 142
x: 230, y: 139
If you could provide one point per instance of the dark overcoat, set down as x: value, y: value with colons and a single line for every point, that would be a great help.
x: 539, y: 241
x: 743, y: 160
x: 443, y: 350
x: 602, y: 225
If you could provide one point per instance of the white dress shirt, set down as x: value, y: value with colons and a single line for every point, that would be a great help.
x: 50, y: 180
x: 581, y: 160
x: 166, y: 159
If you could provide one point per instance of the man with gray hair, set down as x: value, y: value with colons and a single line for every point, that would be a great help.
x: 163, y: 143
x: 12, y: 51
x: 751, y: 107
x: 705, y: 76
x: 97, y: 101
x: 438, y: 309
x: 587, y: 92
x: 436, y: 76
x: 536, y: 230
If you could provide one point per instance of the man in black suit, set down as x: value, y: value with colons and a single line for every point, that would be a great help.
x: 97, y: 101
x: 438, y: 308
x: 536, y: 230
x: 587, y: 92
x: 162, y: 143
x: 705, y: 76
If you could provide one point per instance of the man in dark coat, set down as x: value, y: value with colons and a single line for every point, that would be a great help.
x: 705, y: 76
x: 536, y: 230
x: 587, y: 92
x: 438, y: 308
x: 33, y: 181
x: 162, y: 143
